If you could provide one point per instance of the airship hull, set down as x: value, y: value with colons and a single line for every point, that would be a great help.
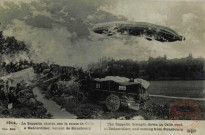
x: 150, y: 31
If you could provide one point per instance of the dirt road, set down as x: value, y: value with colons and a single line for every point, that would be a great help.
x: 52, y: 107
x: 163, y: 96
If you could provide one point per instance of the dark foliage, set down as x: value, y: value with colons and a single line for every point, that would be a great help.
x: 10, y: 45
x: 159, y: 68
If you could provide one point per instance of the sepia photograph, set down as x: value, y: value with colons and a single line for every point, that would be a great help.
x: 102, y: 60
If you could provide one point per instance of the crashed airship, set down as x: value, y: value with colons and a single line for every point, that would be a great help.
x: 148, y: 30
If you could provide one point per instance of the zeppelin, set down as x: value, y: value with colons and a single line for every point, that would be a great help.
x: 141, y: 29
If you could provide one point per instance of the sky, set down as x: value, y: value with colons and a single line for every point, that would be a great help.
x: 60, y: 31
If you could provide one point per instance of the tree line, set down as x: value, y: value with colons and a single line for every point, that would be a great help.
x: 159, y: 68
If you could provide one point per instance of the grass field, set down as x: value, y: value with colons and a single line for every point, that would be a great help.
x: 194, y: 89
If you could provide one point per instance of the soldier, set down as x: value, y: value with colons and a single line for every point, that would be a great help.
x: 18, y: 88
x: 12, y: 95
x: 2, y: 93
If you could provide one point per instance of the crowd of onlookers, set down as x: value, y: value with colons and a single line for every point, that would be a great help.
x: 11, y: 92
x: 17, y: 66
x: 51, y: 70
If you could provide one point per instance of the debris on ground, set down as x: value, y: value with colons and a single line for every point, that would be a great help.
x: 17, y: 98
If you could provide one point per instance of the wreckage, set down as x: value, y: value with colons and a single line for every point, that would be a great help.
x: 148, y: 30
x: 116, y: 91
x: 26, y: 75
x: 16, y: 87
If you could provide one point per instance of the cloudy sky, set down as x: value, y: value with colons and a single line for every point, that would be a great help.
x: 59, y: 31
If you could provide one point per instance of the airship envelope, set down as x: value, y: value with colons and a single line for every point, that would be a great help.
x: 147, y: 30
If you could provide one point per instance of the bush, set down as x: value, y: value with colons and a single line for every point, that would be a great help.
x: 69, y: 87
x: 160, y: 111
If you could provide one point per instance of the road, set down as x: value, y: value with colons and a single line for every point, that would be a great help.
x: 163, y: 96
x: 52, y: 107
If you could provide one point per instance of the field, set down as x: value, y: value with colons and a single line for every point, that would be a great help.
x: 193, y: 89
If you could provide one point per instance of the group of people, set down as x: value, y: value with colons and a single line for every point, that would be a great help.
x: 9, y: 91
x: 17, y: 66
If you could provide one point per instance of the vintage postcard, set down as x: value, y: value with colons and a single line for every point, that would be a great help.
x: 102, y: 67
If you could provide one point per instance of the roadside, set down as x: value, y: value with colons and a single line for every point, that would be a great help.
x: 86, y: 110
x: 92, y: 109
x: 95, y: 110
x: 55, y: 110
